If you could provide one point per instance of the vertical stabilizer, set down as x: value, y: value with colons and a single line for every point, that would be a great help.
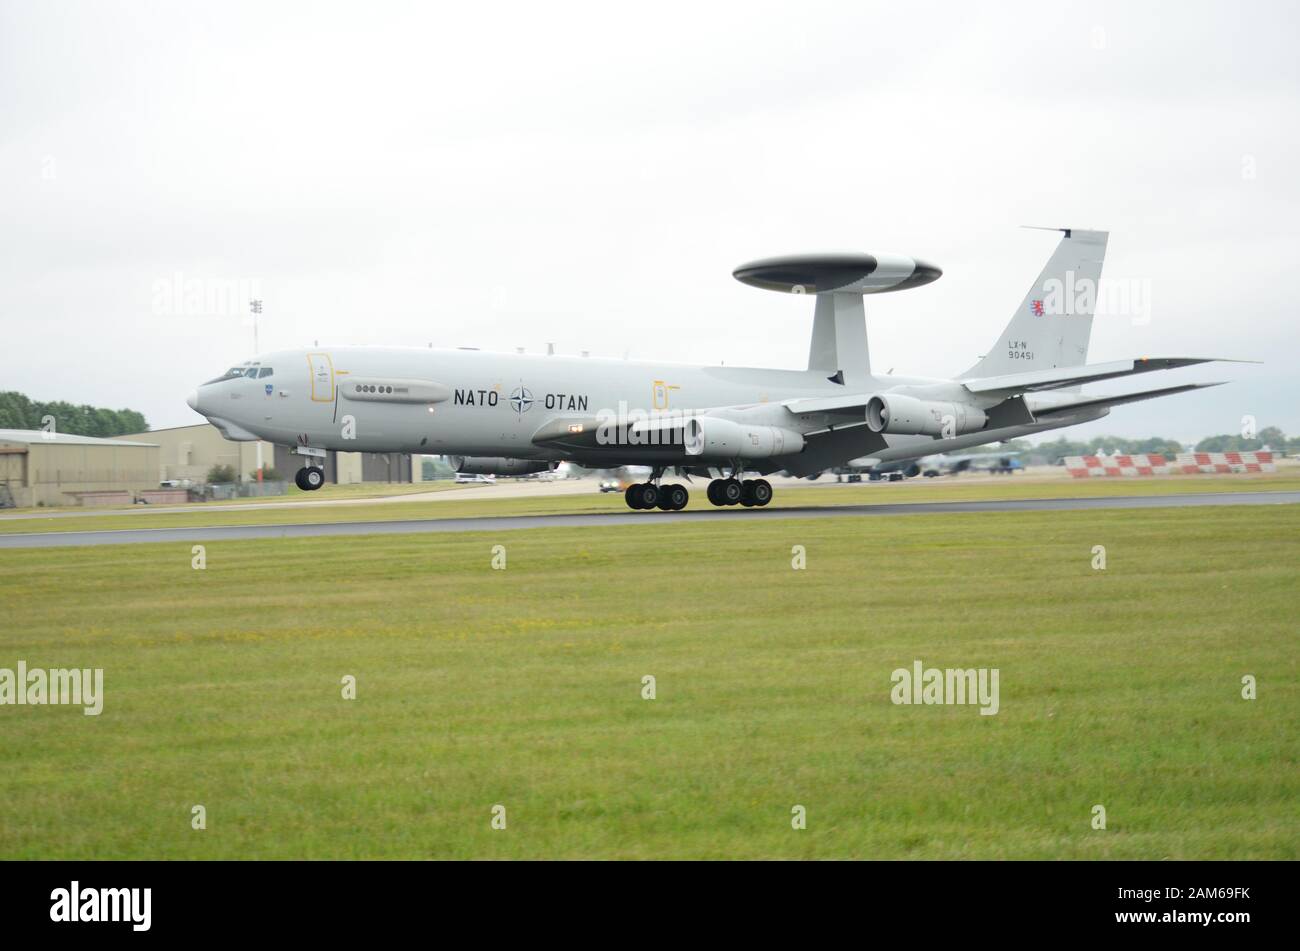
x: 1053, y: 324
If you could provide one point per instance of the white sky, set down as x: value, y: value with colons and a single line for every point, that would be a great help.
x: 589, y: 174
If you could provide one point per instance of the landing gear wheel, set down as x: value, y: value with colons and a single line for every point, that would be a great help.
x: 313, y: 478
x: 747, y: 493
x: 714, y: 492
x: 632, y: 496
x: 649, y: 495
x: 673, y: 498
x: 298, y: 479
x: 731, y: 491
x: 760, y: 493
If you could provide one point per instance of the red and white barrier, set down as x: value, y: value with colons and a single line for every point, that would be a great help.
x: 1139, y: 464
x: 1190, y: 463
x: 1199, y: 462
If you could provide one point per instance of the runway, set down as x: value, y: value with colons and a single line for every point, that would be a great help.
x: 507, y: 523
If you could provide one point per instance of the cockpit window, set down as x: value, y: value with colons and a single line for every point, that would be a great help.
x: 233, y: 373
x: 266, y: 371
x: 228, y: 375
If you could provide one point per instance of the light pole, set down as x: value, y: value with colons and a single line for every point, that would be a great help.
x: 256, y: 307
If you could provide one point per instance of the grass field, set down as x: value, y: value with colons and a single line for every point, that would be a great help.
x: 916, y: 490
x: 522, y: 687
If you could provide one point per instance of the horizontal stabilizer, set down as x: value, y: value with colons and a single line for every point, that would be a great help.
x: 1059, y: 377
x: 1046, y: 411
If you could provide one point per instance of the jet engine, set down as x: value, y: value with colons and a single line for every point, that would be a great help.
x: 716, y: 438
x: 906, y: 415
x: 497, y: 465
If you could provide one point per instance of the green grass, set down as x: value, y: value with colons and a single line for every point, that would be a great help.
x: 821, y: 495
x: 522, y: 687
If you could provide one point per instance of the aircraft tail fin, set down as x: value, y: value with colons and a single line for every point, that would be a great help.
x: 1053, y: 324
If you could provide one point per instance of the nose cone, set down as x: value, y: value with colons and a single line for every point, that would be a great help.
x: 193, y: 400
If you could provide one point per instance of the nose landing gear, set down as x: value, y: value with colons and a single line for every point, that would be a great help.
x: 309, y: 478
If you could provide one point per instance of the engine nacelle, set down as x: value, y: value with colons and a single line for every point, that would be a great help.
x: 906, y: 415
x: 716, y: 438
x: 497, y: 465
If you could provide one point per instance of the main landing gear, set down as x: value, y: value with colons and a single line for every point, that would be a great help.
x: 751, y: 493
x: 310, y: 478
x: 647, y: 495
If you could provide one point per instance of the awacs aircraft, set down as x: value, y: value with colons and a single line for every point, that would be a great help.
x: 510, y: 414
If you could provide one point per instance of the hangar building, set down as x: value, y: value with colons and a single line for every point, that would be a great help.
x: 188, y: 452
x: 41, y: 468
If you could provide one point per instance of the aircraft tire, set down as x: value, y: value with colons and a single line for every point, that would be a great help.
x: 298, y: 479
x: 731, y: 491
x: 673, y: 498
x: 649, y: 495
x: 632, y: 496
x: 761, y: 492
x: 313, y: 478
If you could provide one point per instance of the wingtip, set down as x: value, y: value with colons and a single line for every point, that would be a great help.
x: 1192, y: 361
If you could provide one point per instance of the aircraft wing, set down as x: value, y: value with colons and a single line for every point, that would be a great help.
x: 848, y: 403
x: 573, y: 432
x: 1088, y: 373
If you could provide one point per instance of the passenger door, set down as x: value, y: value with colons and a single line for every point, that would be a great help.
x: 322, y: 377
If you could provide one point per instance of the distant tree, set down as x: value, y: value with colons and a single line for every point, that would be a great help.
x: 1228, y: 443
x: 221, y: 473
x: 1272, y: 436
x: 16, y: 412
x: 269, y: 474
x: 19, y: 412
x: 1168, y: 448
x: 1051, y: 453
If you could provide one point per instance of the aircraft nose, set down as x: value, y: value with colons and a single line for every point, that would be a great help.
x: 193, y: 400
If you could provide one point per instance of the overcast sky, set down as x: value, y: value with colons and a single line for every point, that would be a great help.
x: 499, y: 176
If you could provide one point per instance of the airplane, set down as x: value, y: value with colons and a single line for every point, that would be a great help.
x: 950, y: 464
x: 999, y: 463
x: 514, y: 413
